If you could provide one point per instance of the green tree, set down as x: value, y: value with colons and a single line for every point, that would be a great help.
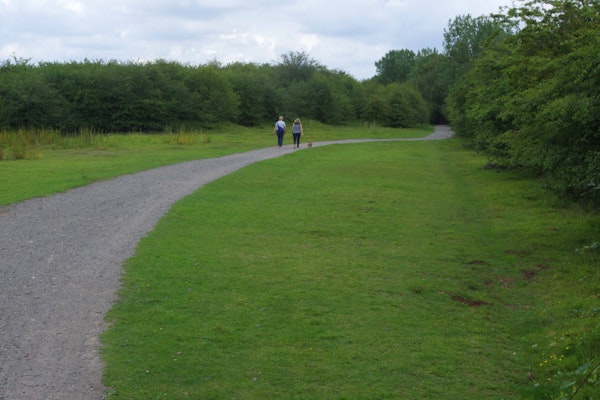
x: 431, y: 79
x: 406, y: 106
x: 213, y: 98
x: 532, y: 101
x: 397, y: 105
x: 332, y: 96
x: 465, y: 39
x: 255, y: 90
x: 296, y: 66
x: 27, y: 99
x: 395, y: 66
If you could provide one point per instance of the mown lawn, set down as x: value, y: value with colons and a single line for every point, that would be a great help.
x: 397, y: 270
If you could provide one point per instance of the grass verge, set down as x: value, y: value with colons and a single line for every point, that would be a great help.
x: 363, y: 271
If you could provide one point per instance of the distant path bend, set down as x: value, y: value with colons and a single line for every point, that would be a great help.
x: 61, y: 259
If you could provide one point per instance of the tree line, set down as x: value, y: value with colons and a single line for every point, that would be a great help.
x: 521, y: 86
x: 112, y: 96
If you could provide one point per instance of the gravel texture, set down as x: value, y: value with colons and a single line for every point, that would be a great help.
x: 61, y: 260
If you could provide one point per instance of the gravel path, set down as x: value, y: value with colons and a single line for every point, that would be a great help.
x: 60, y: 264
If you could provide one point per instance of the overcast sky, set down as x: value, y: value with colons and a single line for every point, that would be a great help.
x: 347, y: 35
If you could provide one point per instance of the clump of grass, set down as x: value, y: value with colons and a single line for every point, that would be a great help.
x: 84, y: 139
x: 20, y: 148
x: 205, y: 138
x: 24, y: 143
x: 186, y: 138
x: 181, y: 136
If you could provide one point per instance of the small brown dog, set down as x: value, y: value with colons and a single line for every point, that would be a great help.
x: 309, y: 144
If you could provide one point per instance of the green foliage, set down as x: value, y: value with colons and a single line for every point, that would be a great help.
x: 110, y: 96
x: 428, y: 72
x: 395, y: 66
x: 26, y: 100
x: 297, y: 66
x: 114, y: 97
x: 395, y: 105
x: 466, y: 38
x: 255, y: 91
x: 531, y: 101
x: 429, y: 77
x: 212, y: 97
x: 432, y: 74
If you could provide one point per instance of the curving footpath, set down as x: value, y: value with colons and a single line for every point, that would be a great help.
x: 61, y: 260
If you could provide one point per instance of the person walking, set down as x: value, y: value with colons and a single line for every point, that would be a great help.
x: 279, y: 130
x: 297, y: 132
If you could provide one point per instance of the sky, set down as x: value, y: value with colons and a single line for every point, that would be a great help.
x: 345, y: 35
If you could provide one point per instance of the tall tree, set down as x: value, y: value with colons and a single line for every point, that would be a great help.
x: 465, y: 39
x: 297, y: 65
x: 395, y: 66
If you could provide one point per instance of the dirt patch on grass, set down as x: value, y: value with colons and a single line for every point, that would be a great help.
x: 529, y: 274
x: 468, y: 301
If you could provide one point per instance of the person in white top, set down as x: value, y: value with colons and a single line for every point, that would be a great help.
x: 279, y: 130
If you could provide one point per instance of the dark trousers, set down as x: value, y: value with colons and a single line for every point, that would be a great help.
x: 297, y: 139
x: 280, y: 139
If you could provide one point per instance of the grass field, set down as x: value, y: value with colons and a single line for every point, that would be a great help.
x: 364, y: 271
x: 51, y: 163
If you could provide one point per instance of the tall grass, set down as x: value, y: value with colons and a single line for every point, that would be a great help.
x: 23, y: 144
x: 370, y: 271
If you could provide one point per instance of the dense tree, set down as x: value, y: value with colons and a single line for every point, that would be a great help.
x: 108, y: 96
x: 213, y: 99
x: 465, y: 39
x: 254, y: 87
x: 532, y: 100
x: 430, y: 78
x: 373, y: 105
x: 397, y: 105
x: 27, y: 100
x: 395, y: 66
x: 334, y: 103
x: 297, y: 66
x: 425, y: 71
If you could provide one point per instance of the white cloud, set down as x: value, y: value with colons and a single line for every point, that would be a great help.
x: 73, y: 6
x: 347, y: 35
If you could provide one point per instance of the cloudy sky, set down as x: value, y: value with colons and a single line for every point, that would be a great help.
x: 347, y: 35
